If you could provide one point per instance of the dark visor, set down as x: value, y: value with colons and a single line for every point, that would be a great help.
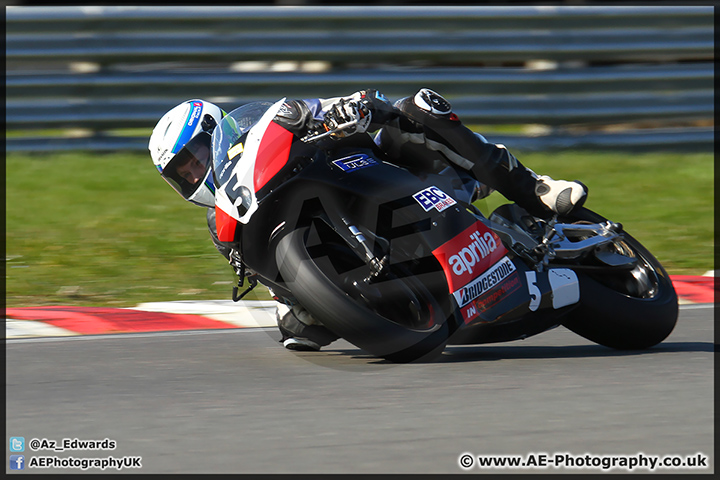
x: 188, y: 168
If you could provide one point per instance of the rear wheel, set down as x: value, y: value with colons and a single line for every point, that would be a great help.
x: 394, y: 317
x: 633, y: 308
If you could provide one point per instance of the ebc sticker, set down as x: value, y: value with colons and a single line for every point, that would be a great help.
x: 433, y: 197
x: 354, y: 162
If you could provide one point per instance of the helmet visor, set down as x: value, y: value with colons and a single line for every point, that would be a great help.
x: 189, y: 167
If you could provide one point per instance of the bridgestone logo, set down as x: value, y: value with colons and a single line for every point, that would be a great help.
x: 496, y: 274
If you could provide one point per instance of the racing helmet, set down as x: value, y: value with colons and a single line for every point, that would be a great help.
x: 181, y: 151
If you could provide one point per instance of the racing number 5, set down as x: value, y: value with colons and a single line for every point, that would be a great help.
x: 534, y: 291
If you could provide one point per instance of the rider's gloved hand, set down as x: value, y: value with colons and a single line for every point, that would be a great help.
x: 347, y: 111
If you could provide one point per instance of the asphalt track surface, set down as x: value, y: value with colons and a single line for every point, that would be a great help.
x: 235, y: 401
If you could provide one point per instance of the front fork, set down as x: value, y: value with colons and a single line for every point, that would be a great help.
x: 358, y: 242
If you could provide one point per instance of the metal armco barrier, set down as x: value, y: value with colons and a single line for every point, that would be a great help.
x: 647, y: 71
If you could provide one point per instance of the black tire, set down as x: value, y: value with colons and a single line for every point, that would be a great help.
x: 377, y: 326
x: 625, y: 310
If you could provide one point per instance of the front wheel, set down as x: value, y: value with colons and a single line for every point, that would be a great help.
x: 396, y: 318
x: 625, y: 309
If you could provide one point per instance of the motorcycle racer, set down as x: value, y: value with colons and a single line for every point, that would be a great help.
x: 180, y: 149
x: 417, y: 126
x: 419, y: 132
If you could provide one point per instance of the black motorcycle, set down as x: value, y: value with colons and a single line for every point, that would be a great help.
x: 400, y: 263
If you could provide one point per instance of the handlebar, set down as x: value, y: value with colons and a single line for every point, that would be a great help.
x: 339, y: 128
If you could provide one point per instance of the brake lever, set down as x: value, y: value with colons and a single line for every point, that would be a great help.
x: 339, y: 128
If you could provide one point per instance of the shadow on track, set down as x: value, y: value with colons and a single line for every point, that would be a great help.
x: 344, y: 358
x: 484, y: 353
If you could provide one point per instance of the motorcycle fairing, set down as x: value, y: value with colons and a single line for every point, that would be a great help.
x: 466, y: 256
x: 354, y: 162
x: 432, y: 197
x: 565, y: 287
x: 272, y: 154
x: 481, y: 309
x: 264, y: 152
x: 225, y: 225
x: 476, y: 267
x: 494, y: 276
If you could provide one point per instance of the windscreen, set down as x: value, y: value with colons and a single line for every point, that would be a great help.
x: 233, y: 127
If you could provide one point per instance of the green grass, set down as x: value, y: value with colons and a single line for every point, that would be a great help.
x: 665, y: 200
x: 105, y: 229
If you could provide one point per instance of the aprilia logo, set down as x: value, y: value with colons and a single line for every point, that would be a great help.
x: 469, y: 254
x: 479, y: 248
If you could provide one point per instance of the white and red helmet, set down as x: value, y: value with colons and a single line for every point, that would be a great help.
x: 180, y: 149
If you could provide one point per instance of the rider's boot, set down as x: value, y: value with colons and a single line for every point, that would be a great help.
x: 300, y: 331
x: 560, y: 196
x: 430, y: 116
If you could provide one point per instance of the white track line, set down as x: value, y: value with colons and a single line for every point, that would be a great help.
x: 53, y: 334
